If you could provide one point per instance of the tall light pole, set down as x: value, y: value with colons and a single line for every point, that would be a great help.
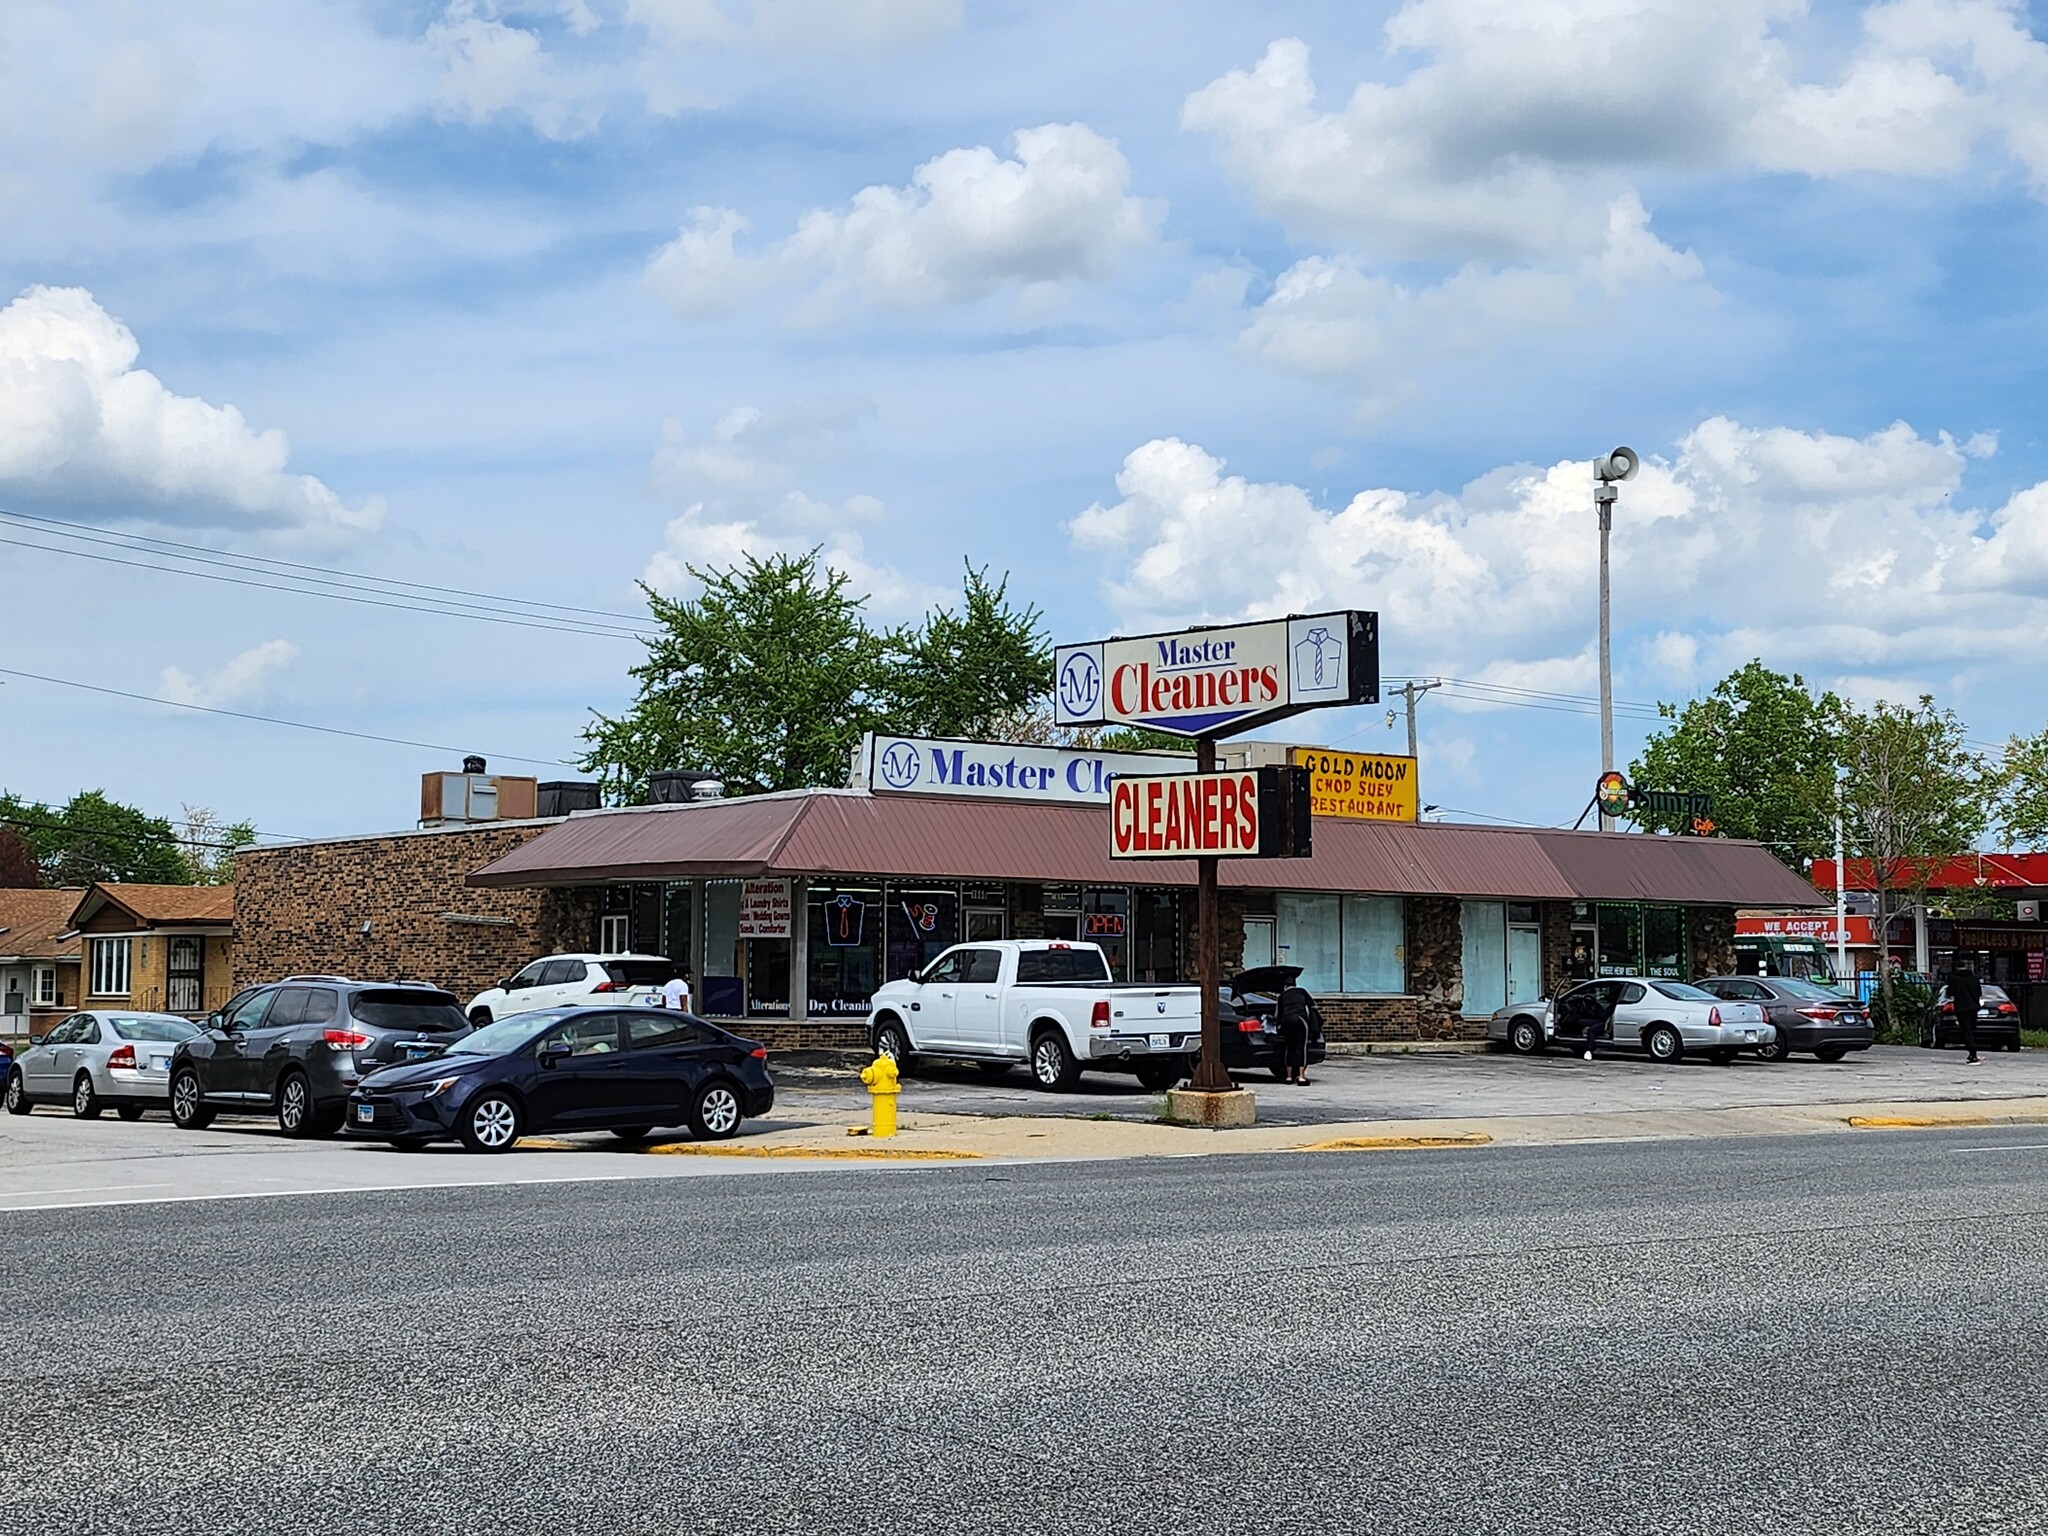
x: 1608, y: 470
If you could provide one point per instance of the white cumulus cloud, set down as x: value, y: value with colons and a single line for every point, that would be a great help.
x: 80, y: 422
x: 244, y: 679
x: 971, y: 223
x: 1842, y: 556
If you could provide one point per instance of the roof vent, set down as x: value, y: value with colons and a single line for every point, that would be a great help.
x: 473, y: 764
x: 679, y: 786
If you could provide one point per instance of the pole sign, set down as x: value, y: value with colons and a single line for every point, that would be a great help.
x: 1216, y: 681
x: 918, y: 765
x: 1359, y: 786
x: 1253, y: 813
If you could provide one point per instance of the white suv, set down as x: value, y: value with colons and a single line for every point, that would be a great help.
x: 559, y: 980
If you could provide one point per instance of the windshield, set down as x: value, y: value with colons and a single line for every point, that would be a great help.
x: 1684, y: 992
x: 427, y: 1013
x: 152, y: 1031
x: 508, y: 1035
x: 1812, y: 990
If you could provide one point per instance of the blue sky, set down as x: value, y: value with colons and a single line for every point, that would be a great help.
x: 1176, y: 311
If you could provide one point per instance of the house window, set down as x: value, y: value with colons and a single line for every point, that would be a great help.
x: 42, y: 987
x: 1352, y: 944
x: 110, y: 967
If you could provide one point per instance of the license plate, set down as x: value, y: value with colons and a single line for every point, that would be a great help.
x: 1161, y: 1042
x: 1749, y: 1035
x: 366, y: 1113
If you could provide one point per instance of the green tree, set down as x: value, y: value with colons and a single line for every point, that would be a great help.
x: 1764, y: 745
x: 210, y: 845
x: 966, y: 673
x: 1913, y: 796
x: 18, y: 868
x: 91, y: 837
x: 766, y: 679
x: 2023, y: 792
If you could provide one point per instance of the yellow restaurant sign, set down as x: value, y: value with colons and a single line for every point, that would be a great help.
x: 1364, y: 786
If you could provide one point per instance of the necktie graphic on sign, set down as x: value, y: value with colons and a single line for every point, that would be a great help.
x: 1216, y: 681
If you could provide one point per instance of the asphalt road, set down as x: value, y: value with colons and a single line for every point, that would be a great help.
x: 1832, y: 1334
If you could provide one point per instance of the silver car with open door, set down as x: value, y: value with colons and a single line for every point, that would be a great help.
x: 1666, y: 1020
x: 105, y: 1057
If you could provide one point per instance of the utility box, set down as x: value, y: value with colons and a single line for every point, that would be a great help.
x: 463, y: 799
x: 561, y: 797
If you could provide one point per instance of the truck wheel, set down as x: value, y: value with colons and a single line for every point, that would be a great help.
x: 891, y: 1041
x: 1052, y: 1065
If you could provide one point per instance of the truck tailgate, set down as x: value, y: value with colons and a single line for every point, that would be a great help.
x: 1147, y: 1009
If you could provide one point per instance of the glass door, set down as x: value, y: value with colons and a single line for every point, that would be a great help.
x: 1525, y: 964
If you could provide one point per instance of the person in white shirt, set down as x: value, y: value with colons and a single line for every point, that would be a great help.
x: 675, y: 992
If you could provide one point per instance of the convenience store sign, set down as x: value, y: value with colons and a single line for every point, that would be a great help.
x: 1359, y: 786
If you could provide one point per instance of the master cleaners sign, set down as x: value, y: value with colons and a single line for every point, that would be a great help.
x: 1211, y: 682
x: 914, y: 765
x: 1252, y: 813
x: 1361, y: 786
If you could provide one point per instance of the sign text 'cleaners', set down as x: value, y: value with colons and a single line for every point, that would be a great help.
x: 1210, y: 682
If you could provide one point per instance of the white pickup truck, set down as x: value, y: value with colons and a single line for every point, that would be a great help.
x: 1052, y: 1004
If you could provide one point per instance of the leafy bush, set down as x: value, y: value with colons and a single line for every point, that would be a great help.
x: 1902, y: 1022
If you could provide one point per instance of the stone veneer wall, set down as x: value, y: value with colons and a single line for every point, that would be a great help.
x: 1712, y: 930
x: 300, y: 910
x: 1555, y: 917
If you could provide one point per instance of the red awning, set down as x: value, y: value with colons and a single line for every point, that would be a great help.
x: 851, y: 832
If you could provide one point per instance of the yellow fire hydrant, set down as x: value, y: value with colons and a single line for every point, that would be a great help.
x: 881, y: 1082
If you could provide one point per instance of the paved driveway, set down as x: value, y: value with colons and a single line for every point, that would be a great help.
x: 1419, y: 1086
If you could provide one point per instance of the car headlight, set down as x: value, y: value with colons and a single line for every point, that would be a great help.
x: 439, y: 1086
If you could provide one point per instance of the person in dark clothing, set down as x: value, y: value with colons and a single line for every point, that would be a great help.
x: 1967, y: 994
x: 1297, y: 1010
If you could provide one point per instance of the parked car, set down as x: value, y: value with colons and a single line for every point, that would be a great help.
x: 555, y: 980
x: 297, y: 1048
x: 1250, y: 1015
x: 1998, y: 1022
x: 1807, y: 1015
x: 627, y: 1071
x: 1048, y: 1002
x: 1665, y: 1019
x: 98, y: 1058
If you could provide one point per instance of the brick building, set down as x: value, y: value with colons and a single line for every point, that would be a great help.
x: 792, y: 908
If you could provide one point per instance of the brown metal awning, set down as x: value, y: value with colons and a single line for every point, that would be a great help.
x: 851, y: 832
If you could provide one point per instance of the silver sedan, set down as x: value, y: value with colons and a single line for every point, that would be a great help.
x: 106, y: 1056
x: 1664, y: 1019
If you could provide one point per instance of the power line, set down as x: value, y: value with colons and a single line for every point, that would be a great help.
x: 297, y: 725
x: 170, y: 839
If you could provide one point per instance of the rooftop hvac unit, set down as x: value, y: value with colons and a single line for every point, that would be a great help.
x: 560, y: 797
x: 680, y: 786
x: 456, y: 799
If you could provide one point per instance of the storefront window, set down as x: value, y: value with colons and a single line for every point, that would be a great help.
x: 1106, y: 920
x: 1352, y: 944
x: 845, y: 949
x: 1485, y: 956
x: 767, y: 978
x: 985, y: 913
x: 720, y: 992
x: 920, y: 925
x: 675, y: 923
x: 1664, y: 941
x: 1060, y: 906
x: 1375, y: 944
x: 1621, y: 940
x: 1309, y: 929
x: 1155, y: 936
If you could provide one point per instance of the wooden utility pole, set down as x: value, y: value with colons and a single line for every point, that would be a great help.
x: 1410, y: 692
x: 1211, y: 1076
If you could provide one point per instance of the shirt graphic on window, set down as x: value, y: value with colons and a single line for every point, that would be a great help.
x: 844, y: 919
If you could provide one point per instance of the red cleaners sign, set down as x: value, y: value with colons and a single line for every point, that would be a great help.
x: 1247, y: 814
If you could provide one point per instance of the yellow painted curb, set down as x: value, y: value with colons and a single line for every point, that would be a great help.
x: 866, y: 1154
x: 553, y: 1144
x: 1397, y: 1143
x: 1935, y: 1122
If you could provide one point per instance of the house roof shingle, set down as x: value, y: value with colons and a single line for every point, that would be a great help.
x: 32, y: 924
x: 155, y: 905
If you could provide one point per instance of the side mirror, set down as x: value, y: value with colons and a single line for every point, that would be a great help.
x: 37, y: 1039
x: 554, y: 1051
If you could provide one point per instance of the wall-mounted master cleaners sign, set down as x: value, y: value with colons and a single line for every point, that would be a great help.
x: 919, y: 765
x: 1211, y: 682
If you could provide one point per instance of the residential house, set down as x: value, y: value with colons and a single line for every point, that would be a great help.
x: 38, y: 960
x: 165, y: 948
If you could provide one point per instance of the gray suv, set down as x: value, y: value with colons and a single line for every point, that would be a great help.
x: 298, y: 1048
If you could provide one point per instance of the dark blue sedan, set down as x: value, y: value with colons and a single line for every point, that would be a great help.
x: 623, y: 1070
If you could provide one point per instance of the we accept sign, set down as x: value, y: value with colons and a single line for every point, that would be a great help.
x: 1211, y: 682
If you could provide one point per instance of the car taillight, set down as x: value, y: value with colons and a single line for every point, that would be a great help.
x: 1948, y: 1007
x: 606, y: 986
x: 346, y: 1039
x: 1820, y: 1013
x: 1249, y: 1026
x: 1713, y: 1016
x: 124, y: 1058
x: 1099, y: 1019
x: 2008, y: 1008
x: 759, y: 1053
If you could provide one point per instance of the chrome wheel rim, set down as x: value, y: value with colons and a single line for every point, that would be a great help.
x: 890, y: 1045
x: 13, y: 1090
x: 494, y: 1123
x: 81, y: 1096
x: 1660, y: 1046
x: 292, y: 1111
x: 721, y: 1111
x: 1046, y: 1061
x: 1525, y: 1038
x: 185, y: 1097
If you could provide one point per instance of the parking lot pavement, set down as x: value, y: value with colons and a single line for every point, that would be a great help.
x: 1421, y: 1086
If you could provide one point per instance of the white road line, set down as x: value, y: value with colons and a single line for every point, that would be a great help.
x: 77, y: 1189
x: 2025, y: 1146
